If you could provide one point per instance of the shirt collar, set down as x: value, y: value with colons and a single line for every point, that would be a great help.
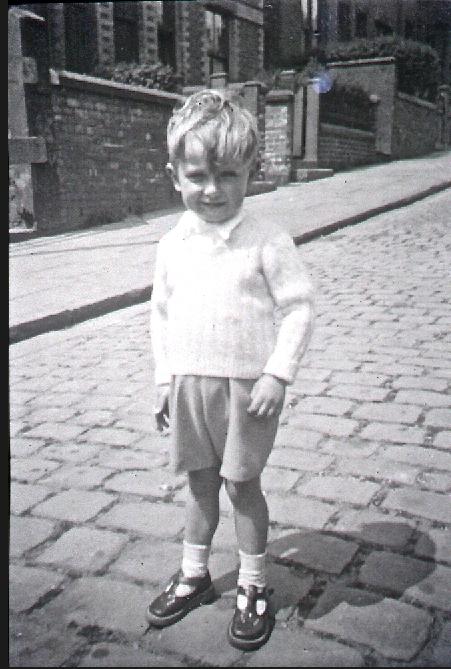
x: 192, y: 224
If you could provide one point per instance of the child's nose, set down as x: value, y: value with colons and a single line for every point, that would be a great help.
x: 211, y: 187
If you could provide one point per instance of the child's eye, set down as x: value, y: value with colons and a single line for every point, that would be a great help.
x: 229, y: 173
x: 196, y: 176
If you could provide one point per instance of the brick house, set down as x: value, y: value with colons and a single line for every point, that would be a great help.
x: 292, y: 27
x: 196, y: 37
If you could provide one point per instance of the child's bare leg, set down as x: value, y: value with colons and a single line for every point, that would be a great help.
x: 202, y: 506
x: 251, y: 515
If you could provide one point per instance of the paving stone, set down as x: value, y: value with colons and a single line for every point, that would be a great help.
x: 74, y: 505
x: 56, y: 431
x: 295, y: 437
x: 398, y: 434
x: 310, y: 374
x: 123, y: 459
x: 104, y: 603
x: 51, y: 415
x: 83, y: 549
x: 393, y: 629
x: 124, y: 655
x: 423, y: 397
x: 387, y: 412
x: 359, y: 392
x: 148, y: 560
x: 435, y: 544
x: 76, y: 476
x: 34, y: 642
x: 374, y: 527
x: 20, y: 447
x: 434, y: 590
x: 157, y: 483
x: 159, y: 520
x: 421, y: 382
x: 31, y: 469
x: 420, y: 503
x: 398, y: 369
x: 339, y: 489
x: 443, y: 439
x: 26, y: 532
x: 416, y: 455
x: 273, y: 479
x: 389, y: 571
x: 349, y: 447
x: 297, y: 511
x: 95, y: 418
x: 377, y: 468
x: 28, y: 584
x: 324, y: 405
x: 331, y: 426
x: 69, y: 452
x: 139, y: 422
x: 439, y: 418
x: 292, y: 458
x: 315, y: 551
x: 110, y: 436
x: 441, y: 655
x: 23, y: 496
x: 201, y: 637
x: 305, y: 388
x: 441, y: 482
x: 359, y: 378
x: 304, y: 649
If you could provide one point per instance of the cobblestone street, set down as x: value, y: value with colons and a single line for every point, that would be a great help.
x: 357, y: 486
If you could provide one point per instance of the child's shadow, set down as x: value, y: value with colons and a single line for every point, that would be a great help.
x: 317, y: 571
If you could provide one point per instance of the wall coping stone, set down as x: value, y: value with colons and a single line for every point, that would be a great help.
x: 417, y: 101
x: 112, y: 88
x: 279, y: 95
x: 385, y: 60
x: 343, y: 131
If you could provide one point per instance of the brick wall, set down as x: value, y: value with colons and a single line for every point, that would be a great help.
x: 416, y: 127
x: 278, y: 136
x: 376, y: 77
x: 341, y: 147
x: 106, y: 152
x: 249, y: 62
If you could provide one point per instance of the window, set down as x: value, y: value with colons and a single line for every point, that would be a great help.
x: 344, y: 21
x: 166, y: 32
x: 79, y: 31
x: 361, y: 23
x: 218, y: 41
x: 125, y: 17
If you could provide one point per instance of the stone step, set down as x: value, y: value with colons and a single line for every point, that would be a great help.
x: 311, y: 173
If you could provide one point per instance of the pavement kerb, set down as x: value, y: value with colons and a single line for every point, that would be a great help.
x: 68, y: 318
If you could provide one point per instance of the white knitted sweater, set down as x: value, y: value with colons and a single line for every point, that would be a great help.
x: 229, y: 300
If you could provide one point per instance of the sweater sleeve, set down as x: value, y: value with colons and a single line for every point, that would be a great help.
x: 293, y: 295
x: 159, y: 319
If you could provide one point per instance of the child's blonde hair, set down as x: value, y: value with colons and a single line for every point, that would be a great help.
x: 227, y: 130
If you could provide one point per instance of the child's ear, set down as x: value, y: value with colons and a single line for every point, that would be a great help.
x: 172, y: 173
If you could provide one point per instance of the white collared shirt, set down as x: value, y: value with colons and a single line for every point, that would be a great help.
x: 194, y: 224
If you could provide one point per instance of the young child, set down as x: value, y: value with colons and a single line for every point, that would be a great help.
x: 231, y: 316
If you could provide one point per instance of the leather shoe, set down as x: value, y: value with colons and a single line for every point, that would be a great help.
x: 168, y: 608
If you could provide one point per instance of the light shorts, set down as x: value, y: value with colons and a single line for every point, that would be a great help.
x: 210, y: 427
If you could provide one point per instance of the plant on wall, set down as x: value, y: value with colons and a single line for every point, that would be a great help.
x: 417, y: 64
x: 149, y: 75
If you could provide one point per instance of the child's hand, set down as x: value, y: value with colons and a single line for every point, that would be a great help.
x: 161, y: 408
x: 267, y: 396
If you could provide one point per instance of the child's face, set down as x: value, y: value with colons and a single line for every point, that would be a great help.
x: 214, y: 191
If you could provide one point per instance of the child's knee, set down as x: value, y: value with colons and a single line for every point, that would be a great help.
x: 204, y: 482
x: 242, y: 492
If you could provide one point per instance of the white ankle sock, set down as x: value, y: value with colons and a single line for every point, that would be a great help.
x: 194, y: 564
x: 252, y: 570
